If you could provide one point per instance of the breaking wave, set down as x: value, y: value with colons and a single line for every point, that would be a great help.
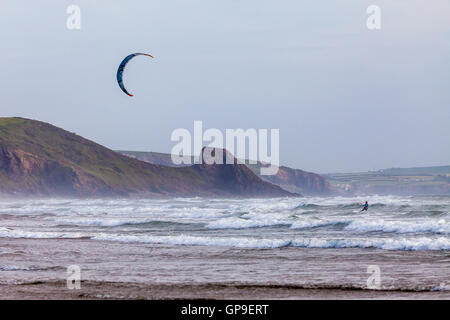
x: 422, y: 243
x: 440, y: 226
x: 392, y: 223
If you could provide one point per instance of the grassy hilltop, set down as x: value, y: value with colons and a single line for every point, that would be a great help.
x: 41, y: 159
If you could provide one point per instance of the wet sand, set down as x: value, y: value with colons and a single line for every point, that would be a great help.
x: 112, y: 290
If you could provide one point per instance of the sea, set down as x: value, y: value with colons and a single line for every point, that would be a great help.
x: 399, y: 244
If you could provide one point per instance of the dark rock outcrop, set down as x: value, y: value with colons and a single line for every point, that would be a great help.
x: 293, y: 180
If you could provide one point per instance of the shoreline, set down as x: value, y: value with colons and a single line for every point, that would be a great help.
x: 101, y: 290
x: 33, y: 269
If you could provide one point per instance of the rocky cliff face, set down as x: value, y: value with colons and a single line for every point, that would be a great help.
x: 232, y: 175
x: 39, y: 159
x: 299, y: 181
x: 24, y: 173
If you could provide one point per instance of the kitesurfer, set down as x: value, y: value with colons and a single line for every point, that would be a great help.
x: 365, y: 207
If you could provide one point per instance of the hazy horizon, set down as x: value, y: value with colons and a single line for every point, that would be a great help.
x: 345, y: 98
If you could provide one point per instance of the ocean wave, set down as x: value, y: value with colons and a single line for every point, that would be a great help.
x: 353, y: 205
x: 441, y: 226
x: 423, y: 243
x: 118, y: 222
x: 15, y: 233
x: 239, y: 223
x: 254, y: 243
x: 426, y: 213
x: 250, y: 243
x: 307, y: 206
x: 307, y: 224
x: 386, y: 244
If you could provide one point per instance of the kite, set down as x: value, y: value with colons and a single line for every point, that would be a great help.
x: 122, y: 67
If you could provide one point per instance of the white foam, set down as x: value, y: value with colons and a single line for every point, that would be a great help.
x: 98, y: 222
x: 239, y: 223
x: 270, y: 220
x: 380, y: 243
x: 423, y: 243
x: 365, y: 225
x: 15, y: 233
x: 192, y: 240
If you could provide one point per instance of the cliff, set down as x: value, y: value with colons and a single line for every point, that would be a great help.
x: 293, y: 180
x: 39, y: 159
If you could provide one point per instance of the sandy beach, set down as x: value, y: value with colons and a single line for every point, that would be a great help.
x: 116, y: 290
x: 140, y: 271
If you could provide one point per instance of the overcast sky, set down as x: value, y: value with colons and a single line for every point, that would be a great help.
x: 345, y: 98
